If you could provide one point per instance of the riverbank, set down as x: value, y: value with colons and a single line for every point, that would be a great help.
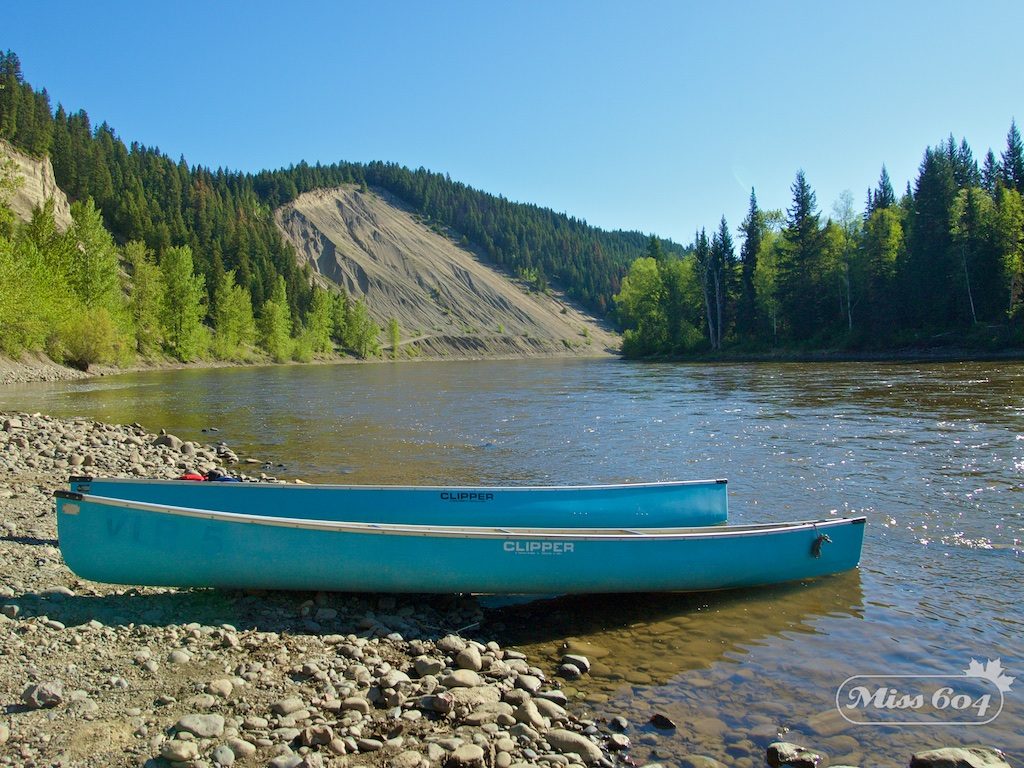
x: 113, y: 676
x: 839, y: 356
x: 116, y: 676
x: 37, y: 367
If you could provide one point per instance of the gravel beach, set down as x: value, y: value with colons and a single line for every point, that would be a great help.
x: 96, y: 675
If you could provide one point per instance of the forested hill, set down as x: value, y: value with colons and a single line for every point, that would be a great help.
x: 941, y: 265
x: 226, y: 217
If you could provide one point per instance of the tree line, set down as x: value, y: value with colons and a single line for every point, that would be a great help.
x: 226, y: 218
x: 941, y: 264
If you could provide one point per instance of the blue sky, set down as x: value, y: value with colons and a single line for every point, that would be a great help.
x: 657, y: 116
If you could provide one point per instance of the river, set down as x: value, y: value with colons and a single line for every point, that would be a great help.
x: 933, y: 454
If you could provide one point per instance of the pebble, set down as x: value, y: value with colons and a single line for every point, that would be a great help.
x: 222, y: 688
x: 461, y: 678
x: 287, y: 706
x: 204, y: 726
x: 467, y: 756
x: 960, y: 757
x: 43, y: 695
x: 224, y: 756
x: 576, y: 743
x: 784, y: 753
x: 177, y: 751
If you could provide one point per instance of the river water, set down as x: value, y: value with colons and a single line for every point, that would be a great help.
x: 932, y: 454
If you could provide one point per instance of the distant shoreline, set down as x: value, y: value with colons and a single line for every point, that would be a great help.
x: 38, y: 368
x: 829, y: 356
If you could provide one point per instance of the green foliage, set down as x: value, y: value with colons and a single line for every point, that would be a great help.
x: 94, y: 270
x: 90, y: 335
x: 394, y: 336
x: 641, y: 309
x: 183, y: 309
x: 275, y: 324
x: 361, y: 332
x: 145, y: 297
x: 234, y: 325
x: 10, y: 181
x: 320, y: 322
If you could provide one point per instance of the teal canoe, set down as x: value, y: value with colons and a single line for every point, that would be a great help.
x: 647, y: 505
x: 131, y: 542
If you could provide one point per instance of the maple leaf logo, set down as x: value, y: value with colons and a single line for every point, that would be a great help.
x: 992, y: 671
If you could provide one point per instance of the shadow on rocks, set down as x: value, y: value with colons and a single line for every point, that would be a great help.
x: 426, y: 617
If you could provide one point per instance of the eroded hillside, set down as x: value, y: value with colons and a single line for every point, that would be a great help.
x: 447, y: 301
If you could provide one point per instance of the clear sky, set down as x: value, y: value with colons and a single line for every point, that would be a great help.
x: 657, y: 116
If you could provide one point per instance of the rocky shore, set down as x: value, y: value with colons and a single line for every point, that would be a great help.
x: 98, y: 675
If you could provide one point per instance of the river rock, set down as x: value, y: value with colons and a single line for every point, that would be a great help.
x: 369, y: 745
x: 469, y: 658
x: 549, y: 709
x: 466, y: 756
x: 177, y: 751
x: 43, y: 695
x: 287, y: 706
x: 222, y: 688
x: 569, y: 672
x: 426, y: 665
x: 223, y: 756
x: 170, y: 441
x: 530, y: 683
x: 660, y: 721
x: 565, y: 741
x: 582, y: 663
x: 241, y: 747
x: 451, y: 644
x: 528, y: 713
x: 785, y: 753
x: 5, y: 733
x: 461, y: 678
x: 960, y: 757
x: 204, y: 726
x: 356, y: 703
x: 618, y: 742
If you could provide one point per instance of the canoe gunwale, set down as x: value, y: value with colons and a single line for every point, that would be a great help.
x: 460, y: 531
x: 76, y: 479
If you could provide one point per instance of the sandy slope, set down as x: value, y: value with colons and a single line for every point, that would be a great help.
x: 444, y: 296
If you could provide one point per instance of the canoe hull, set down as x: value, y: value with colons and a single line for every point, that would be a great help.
x: 686, y: 503
x: 131, y: 543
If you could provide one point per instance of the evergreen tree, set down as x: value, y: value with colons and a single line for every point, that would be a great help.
x: 931, y: 265
x: 723, y: 262
x: 883, y: 246
x: 751, y: 230
x: 799, y: 280
x: 883, y: 197
x: 1013, y: 159
x: 704, y: 262
x: 183, y: 308
x: 991, y: 173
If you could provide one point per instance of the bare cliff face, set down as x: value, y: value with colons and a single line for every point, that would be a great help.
x: 447, y: 301
x: 37, y: 185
